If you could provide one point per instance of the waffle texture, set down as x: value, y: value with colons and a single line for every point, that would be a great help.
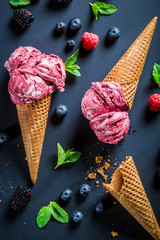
x: 129, y: 68
x: 127, y: 188
x: 33, y: 120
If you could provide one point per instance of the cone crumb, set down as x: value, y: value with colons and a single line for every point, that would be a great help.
x: 106, y: 166
x: 92, y: 175
x: 114, y: 202
x: 99, y: 159
x: 101, y: 172
x: 114, y: 234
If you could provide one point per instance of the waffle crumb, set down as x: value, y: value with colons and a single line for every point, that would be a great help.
x: 114, y: 202
x: 108, y: 160
x: 106, y: 166
x: 101, y: 172
x: 97, y: 182
x: 114, y: 234
x: 92, y: 175
x: 99, y: 159
x: 115, y: 164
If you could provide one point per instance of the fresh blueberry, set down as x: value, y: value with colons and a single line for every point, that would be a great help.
x: 158, y: 173
x: 60, y: 27
x: 3, y: 137
x: 77, y: 216
x: 61, y: 110
x: 74, y: 24
x: 99, y: 207
x: 70, y: 44
x: 66, y: 194
x: 113, y: 33
x: 84, y: 190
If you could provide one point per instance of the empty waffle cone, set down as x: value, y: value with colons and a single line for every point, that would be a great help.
x: 33, y: 120
x: 127, y: 188
x: 129, y: 68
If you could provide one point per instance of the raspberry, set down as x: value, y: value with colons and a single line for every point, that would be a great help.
x: 154, y: 102
x: 23, y: 17
x: 20, y: 198
x: 89, y: 41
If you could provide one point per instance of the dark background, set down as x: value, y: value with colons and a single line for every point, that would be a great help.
x: 142, y: 141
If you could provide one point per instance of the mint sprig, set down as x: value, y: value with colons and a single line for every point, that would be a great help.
x: 16, y: 3
x: 71, y: 67
x: 156, y: 73
x: 54, y: 210
x: 69, y: 156
x: 102, y: 8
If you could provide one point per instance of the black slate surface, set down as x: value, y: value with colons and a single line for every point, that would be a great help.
x: 142, y: 142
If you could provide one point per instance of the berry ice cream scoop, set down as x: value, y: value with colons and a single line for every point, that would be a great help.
x: 34, y: 75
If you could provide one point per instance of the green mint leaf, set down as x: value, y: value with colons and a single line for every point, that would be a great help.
x: 43, y: 216
x: 72, y: 59
x: 74, y: 72
x: 68, y: 157
x: 61, y: 155
x: 156, y: 73
x: 102, y: 8
x: 58, y: 213
x: 73, y: 67
x: 16, y: 3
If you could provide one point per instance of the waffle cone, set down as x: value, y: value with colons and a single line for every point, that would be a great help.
x: 129, y: 68
x: 127, y: 188
x: 33, y: 120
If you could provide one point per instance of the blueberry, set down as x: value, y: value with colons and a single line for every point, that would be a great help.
x: 77, y: 216
x: 3, y: 137
x: 74, y: 24
x: 84, y: 190
x: 66, y: 194
x: 158, y: 173
x: 99, y: 207
x: 113, y: 33
x: 70, y: 44
x: 61, y: 110
x: 60, y: 27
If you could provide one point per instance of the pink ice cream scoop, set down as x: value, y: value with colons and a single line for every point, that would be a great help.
x: 103, y: 104
x: 110, y: 127
x: 103, y: 97
x: 33, y: 75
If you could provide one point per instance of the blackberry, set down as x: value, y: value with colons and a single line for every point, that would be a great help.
x: 22, y: 17
x: 20, y: 198
x: 61, y: 2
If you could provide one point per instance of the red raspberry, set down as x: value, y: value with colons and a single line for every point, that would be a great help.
x: 89, y: 41
x: 154, y: 102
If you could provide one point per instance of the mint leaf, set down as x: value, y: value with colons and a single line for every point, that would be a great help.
x: 156, y: 73
x: 58, y: 213
x: 16, y: 3
x: 70, y: 66
x: 68, y: 157
x: 43, y: 216
x: 102, y: 8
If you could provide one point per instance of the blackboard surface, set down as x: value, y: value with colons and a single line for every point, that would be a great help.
x: 142, y: 141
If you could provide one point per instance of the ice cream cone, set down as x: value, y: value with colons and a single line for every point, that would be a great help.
x: 127, y: 188
x: 129, y: 68
x: 33, y: 120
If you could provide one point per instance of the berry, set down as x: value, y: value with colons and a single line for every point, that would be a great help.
x: 154, y: 102
x: 20, y: 198
x: 77, y: 216
x: 89, y: 41
x: 23, y: 17
x: 74, y: 24
x: 61, y: 110
x: 84, y: 190
x: 99, y: 207
x: 60, y: 27
x: 113, y: 33
x: 70, y: 44
x: 3, y: 138
x: 66, y: 194
x: 61, y: 2
x: 158, y: 173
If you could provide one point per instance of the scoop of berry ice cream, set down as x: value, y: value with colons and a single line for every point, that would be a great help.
x: 103, y: 97
x: 33, y: 75
x: 111, y: 127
